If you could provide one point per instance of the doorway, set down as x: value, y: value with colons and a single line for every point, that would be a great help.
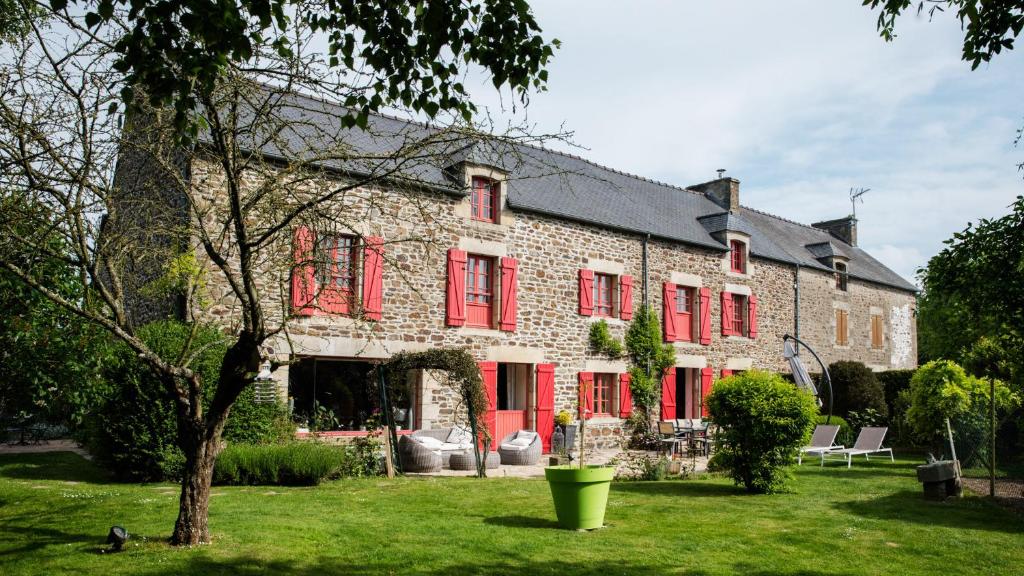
x: 515, y: 396
x: 688, y: 393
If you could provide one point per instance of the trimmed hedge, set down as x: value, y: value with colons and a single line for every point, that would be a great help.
x: 291, y: 464
x: 855, y: 389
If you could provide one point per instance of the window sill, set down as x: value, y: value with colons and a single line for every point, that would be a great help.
x: 739, y: 275
x: 480, y: 331
x: 604, y: 419
x: 737, y: 339
x: 611, y: 320
x: 687, y: 344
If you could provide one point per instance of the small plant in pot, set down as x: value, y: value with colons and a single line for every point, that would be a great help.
x: 580, y: 492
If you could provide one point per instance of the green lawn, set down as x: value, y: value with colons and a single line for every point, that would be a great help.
x: 55, y: 510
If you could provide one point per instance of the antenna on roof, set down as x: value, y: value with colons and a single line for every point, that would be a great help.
x: 721, y: 173
x: 855, y: 194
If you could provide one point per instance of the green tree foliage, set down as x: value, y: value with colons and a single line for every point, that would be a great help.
x: 649, y: 358
x: 389, y: 53
x: 941, y: 389
x: 989, y: 27
x: 764, y: 420
x: 602, y: 341
x: 855, y: 389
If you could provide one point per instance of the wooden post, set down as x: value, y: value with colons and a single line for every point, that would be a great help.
x: 992, y: 437
x: 389, y: 466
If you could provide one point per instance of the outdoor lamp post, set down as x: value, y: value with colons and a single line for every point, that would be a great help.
x: 265, y: 389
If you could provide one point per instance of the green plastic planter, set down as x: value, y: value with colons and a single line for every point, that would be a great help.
x: 580, y: 494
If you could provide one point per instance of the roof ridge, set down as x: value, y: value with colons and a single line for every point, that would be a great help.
x: 770, y: 215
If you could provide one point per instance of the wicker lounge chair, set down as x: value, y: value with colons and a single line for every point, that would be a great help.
x: 416, y: 457
x: 869, y: 441
x: 822, y: 440
x: 517, y: 455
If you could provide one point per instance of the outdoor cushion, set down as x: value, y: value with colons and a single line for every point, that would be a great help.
x: 514, y: 447
x: 459, y: 435
x: 525, y: 435
x: 456, y: 446
x: 429, y: 442
x: 520, y: 442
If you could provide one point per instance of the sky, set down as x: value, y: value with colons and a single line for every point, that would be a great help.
x: 800, y: 100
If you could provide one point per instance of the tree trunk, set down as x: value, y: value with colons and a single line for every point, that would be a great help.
x: 192, y: 526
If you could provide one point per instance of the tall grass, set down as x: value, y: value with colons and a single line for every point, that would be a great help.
x: 291, y: 464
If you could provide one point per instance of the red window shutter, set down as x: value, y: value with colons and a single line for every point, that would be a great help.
x: 626, y: 297
x: 625, y: 396
x: 304, y: 272
x: 586, y: 395
x: 668, y: 394
x: 509, y: 287
x: 489, y: 372
x: 455, y: 312
x: 726, y: 372
x: 668, y: 310
x: 727, y: 311
x: 707, y: 376
x: 586, y: 292
x: 752, y: 317
x: 373, y: 277
x: 545, y: 404
x: 705, y: 316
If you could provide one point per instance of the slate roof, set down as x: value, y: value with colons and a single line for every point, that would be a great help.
x: 566, y: 186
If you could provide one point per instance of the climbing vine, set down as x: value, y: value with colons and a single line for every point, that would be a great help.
x: 602, y: 342
x: 649, y: 358
x: 461, y: 374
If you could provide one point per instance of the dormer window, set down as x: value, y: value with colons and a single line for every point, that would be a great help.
x: 738, y: 257
x: 842, y: 275
x: 484, y: 200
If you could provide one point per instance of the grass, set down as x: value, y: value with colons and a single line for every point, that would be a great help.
x: 55, y: 510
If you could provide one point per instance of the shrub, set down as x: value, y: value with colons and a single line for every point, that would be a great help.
x: 894, y: 383
x: 855, y: 388
x: 641, y: 436
x: 649, y: 357
x: 602, y: 342
x: 641, y: 467
x: 845, y: 436
x: 133, y: 429
x: 764, y: 420
x: 941, y: 389
x: 291, y: 464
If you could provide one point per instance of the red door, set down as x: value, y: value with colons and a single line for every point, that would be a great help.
x: 546, y: 403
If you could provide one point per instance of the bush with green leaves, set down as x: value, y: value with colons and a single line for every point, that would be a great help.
x: 855, y: 388
x: 602, y: 341
x: 763, y: 421
x: 649, y: 357
x: 132, y: 430
x: 289, y: 464
x: 941, y: 389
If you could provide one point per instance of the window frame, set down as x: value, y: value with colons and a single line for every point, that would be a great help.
x: 685, y: 317
x: 606, y: 386
x: 484, y: 202
x: 842, y: 327
x: 877, y: 329
x: 599, y: 305
x: 328, y: 248
x: 738, y: 256
x: 740, y: 324
x: 476, y: 298
x: 842, y: 276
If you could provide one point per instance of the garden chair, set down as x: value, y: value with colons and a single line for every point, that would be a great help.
x: 869, y: 441
x: 822, y: 440
x: 669, y: 439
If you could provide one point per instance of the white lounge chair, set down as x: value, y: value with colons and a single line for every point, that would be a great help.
x: 822, y: 440
x: 869, y: 441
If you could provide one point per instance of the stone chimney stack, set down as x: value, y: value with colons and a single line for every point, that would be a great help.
x: 724, y: 191
x: 844, y: 229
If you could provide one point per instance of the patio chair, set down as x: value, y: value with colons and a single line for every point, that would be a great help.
x: 822, y: 440
x: 669, y: 439
x: 869, y: 441
x: 522, y: 448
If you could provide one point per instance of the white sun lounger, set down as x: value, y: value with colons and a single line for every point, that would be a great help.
x: 822, y: 440
x: 869, y: 441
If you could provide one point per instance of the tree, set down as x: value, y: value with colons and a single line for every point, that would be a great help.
x: 649, y: 357
x: 129, y: 196
x: 989, y: 27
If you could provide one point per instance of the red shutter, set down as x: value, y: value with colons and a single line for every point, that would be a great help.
x: 373, y: 277
x: 489, y: 372
x: 586, y: 292
x: 752, y: 316
x: 668, y: 394
x: 706, y: 378
x: 668, y: 310
x: 304, y: 273
x: 586, y: 395
x: 727, y: 312
x: 726, y: 372
x: 625, y: 396
x: 509, y: 287
x: 705, y: 316
x: 455, y: 312
x: 626, y: 297
x: 545, y: 404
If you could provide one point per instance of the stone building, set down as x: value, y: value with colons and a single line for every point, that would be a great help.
x: 523, y: 256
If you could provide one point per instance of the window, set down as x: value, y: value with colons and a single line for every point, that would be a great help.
x: 877, y: 327
x: 603, y: 287
x: 479, y: 291
x: 739, y: 314
x: 484, y: 200
x: 842, y: 327
x: 605, y: 396
x: 738, y: 257
x: 841, y: 276
x: 684, y: 313
x: 336, y: 272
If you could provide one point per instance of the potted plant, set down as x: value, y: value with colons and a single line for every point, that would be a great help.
x: 580, y: 492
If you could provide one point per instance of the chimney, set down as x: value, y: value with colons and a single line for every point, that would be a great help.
x: 844, y: 229
x: 724, y: 191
